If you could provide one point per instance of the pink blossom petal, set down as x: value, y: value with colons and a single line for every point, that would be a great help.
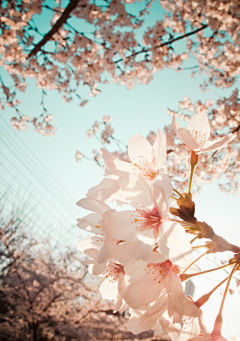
x: 139, y: 322
x: 174, y: 244
x: 109, y: 290
x: 136, y: 191
x: 93, y: 205
x: 108, y: 158
x: 217, y: 143
x: 159, y: 150
x: 176, y: 296
x: 139, y: 147
x: 172, y: 331
x: 200, y: 123
x: 143, y: 288
x: 90, y: 223
x: 130, y: 252
x: 90, y: 242
x: 160, y: 199
x: 119, y: 225
x: 184, y: 135
x: 164, y: 181
x: 104, y: 190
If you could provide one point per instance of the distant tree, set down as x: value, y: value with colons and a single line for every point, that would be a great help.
x: 47, y: 295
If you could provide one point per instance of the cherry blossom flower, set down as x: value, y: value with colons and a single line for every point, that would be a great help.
x: 147, y: 162
x: 78, y: 156
x: 158, y: 277
x: 97, y: 247
x: 112, y: 288
x: 196, y: 136
x: 149, y: 220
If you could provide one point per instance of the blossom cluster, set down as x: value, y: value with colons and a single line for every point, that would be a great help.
x: 142, y: 254
x: 224, y: 117
x: 110, y: 45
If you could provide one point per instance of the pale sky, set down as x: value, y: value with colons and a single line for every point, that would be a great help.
x: 53, y: 181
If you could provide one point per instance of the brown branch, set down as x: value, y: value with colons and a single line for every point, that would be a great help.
x: 236, y: 129
x: 166, y: 43
x: 70, y: 7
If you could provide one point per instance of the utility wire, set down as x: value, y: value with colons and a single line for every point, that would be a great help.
x: 34, y: 223
x: 38, y: 160
x: 46, y: 209
x: 30, y: 171
x: 36, y: 173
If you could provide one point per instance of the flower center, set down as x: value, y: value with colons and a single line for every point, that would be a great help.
x: 199, y: 137
x: 160, y: 270
x: 143, y: 168
x: 113, y: 271
x: 149, y: 219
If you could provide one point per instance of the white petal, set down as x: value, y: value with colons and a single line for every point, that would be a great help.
x: 136, y: 191
x: 160, y: 199
x: 104, y: 190
x: 93, y: 205
x: 184, y: 135
x: 98, y: 268
x: 91, y: 223
x: 143, y: 288
x: 138, y: 148
x: 105, y: 250
x: 158, y: 329
x: 176, y: 296
x: 217, y: 143
x: 173, y: 331
x: 200, y: 123
x: 109, y: 290
x: 159, y: 150
x: 119, y: 225
x: 164, y: 181
x: 130, y: 252
x: 188, y: 140
x: 108, y: 158
x: 174, y: 244
x: 90, y: 243
x: 190, y: 309
x: 139, y: 323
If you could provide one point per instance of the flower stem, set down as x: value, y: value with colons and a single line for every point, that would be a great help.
x: 190, y: 180
x: 194, y: 262
x: 218, y: 322
x: 173, y: 197
x: 184, y: 277
x: 193, y: 162
x: 178, y: 193
x: 202, y: 300
x: 193, y: 240
x: 198, y: 247
x: 227, y: 286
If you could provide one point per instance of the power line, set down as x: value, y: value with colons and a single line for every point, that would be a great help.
x: 38, y: 160
x: 31, y: 220
x: 36, y: 171
x: 32, y: 174
x: 46, y: 209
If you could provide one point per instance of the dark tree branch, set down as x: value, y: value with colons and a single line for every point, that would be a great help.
x: 236, y: 129
x: 167, y: 42
x: 70, y: 7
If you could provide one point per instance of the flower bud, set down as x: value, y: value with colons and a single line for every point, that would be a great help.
x: 186, y: 209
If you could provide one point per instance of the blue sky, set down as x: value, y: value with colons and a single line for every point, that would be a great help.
x: 134, y: 111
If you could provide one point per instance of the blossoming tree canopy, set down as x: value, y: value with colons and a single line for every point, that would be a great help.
x: 113, y: 43
x: 144, y: 253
